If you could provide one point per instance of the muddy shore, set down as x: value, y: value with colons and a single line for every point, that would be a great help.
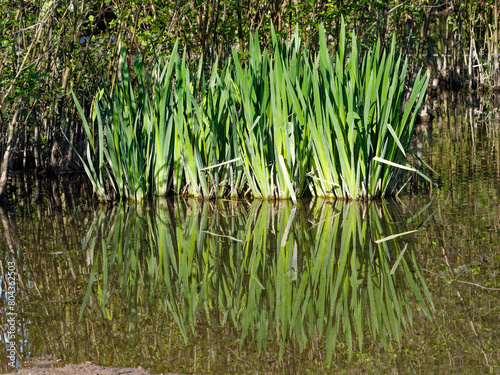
x: 53, y: 366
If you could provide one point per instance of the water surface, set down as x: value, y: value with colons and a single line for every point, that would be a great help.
x: 409, y: 284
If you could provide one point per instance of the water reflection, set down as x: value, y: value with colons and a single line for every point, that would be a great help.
x: 205, y: 287
x: 336, y: 274
x: 319, y: 279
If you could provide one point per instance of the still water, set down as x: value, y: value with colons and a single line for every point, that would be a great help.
x: 407, y: 285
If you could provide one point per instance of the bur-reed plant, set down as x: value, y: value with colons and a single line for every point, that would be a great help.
x: 282, y: 124
x: 127, y: 147
x: 360, y: 125
x: 190, y: 130
x: 169, y: 133
x: 273, y: 144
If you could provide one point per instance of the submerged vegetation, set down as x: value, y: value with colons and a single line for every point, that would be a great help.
x: 281, y: 125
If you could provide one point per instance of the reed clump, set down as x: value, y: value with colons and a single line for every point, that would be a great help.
x: 284, y: 124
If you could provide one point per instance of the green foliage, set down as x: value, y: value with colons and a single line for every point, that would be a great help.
x: 287, y: 123
x: 50, y: 48
x: 124, y: 137
x: 359, y: 132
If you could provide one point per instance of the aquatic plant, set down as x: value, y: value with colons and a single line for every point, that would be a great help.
x: 273, y: 145
x: 360, y: 127
x: 39, y: 69
x: 122, y: 137
x: 281, y: 125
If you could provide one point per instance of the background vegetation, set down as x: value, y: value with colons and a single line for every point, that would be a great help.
x: 51, y: 47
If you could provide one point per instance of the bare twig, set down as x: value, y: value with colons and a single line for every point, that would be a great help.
x: 460, y: 281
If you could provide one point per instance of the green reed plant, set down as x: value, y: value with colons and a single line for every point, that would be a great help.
x: 359, y: 125
x: 122, y: 117
x: 124, y: 140
x: 190, y: 126
x: 280, y: 125
x: 291, y: 140
x: 161, y: 115
x: 273, y: 145
x: 218, y: 140
x: 224, y: 171
x: 254, y: 133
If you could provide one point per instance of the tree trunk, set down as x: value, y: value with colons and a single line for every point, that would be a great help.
x: 37, y: 151
x: 7, y: 156
x: 54, y: 153
x: 496, y: 63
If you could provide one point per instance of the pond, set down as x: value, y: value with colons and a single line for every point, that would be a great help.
x: 410, y: 284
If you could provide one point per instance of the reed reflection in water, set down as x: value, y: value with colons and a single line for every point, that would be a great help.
x: 336, y: 274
